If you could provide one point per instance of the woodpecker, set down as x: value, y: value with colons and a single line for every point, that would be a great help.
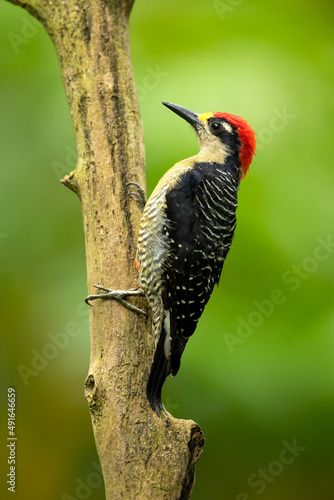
x: 185, y: 234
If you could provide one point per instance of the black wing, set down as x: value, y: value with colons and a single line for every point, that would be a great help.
x: 201, y: 215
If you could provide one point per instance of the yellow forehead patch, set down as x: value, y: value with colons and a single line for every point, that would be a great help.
x: 204, y: 117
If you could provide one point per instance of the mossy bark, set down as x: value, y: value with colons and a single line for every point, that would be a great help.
x: 142, y: 456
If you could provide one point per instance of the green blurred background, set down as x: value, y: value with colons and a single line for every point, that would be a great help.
x: 258, y: 373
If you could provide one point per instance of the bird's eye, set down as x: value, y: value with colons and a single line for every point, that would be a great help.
x: 215, y: 127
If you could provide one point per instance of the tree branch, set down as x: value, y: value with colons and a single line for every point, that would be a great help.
x: 141, y: 455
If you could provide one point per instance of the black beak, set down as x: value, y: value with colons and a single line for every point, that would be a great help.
x: 185, y: 113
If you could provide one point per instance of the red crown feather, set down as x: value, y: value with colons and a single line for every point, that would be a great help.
x: 247, y: 138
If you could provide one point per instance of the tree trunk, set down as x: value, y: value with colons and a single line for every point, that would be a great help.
x: 142, y: 456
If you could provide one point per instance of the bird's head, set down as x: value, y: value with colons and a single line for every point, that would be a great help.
x: 221, y: 135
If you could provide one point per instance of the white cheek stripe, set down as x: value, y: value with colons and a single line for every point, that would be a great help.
x: 228, y: 127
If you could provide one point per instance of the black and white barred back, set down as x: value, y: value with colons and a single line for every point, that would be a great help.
x: 196, y: 231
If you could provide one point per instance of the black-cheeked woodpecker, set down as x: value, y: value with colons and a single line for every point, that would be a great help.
x: 185, y: 234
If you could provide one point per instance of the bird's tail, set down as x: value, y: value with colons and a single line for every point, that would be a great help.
x: 158, y: 375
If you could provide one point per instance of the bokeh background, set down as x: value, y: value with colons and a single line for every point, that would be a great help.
x: 258, y: 374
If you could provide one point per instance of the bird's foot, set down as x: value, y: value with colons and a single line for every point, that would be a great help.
x: 139, y: 194
x: 118, y: 295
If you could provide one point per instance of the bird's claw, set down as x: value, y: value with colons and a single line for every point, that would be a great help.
x: 118, y: 295
x: 139, y: 195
